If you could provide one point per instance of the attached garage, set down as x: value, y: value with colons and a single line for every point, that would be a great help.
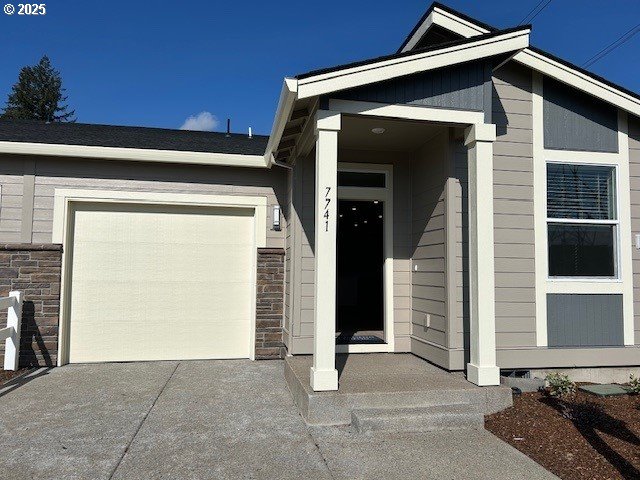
x: 149, y: 281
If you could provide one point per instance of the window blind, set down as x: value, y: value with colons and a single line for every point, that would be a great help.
x: 580, y: 192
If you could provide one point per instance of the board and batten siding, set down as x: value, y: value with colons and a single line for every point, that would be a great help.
x: 430, y: 325
x: 584, y: 320
x: 634, y: 172
x: 456, y: 87
x: 64, y: 173
x: 574, y: 120
x: 303, y: 251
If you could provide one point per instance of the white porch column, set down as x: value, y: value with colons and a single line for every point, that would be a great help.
x: 482, y: 369
x: 324, y: 375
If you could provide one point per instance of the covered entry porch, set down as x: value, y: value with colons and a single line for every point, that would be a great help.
x: 477, y: 138
x: 424, y: 121
x: 387, y: 200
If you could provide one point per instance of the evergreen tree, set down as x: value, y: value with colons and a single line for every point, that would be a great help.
x: 38, y: 95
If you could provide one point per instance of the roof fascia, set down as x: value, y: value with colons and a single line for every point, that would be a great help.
x: 406, y: 65
x: 133, y: 154
x: 288, y: 97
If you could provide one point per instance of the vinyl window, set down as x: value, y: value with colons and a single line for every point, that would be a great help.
x: 582, y: 220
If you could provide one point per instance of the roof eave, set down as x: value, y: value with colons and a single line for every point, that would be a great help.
x: 288, y: 97
x: 133, y: 154
x: 396, y: 66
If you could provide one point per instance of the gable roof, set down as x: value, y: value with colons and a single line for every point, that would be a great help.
x: 445, y: 17
x: 343, y: 77
x: 425, y: 21
x: 409, y: 53
x: 374, y: 70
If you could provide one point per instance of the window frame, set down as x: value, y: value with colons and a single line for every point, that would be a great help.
x: 582, y: 221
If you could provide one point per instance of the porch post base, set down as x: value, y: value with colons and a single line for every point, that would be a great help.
x: 324, y: 380
x: 483, y: 376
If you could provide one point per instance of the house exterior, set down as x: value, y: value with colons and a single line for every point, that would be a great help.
x: 469, y: 199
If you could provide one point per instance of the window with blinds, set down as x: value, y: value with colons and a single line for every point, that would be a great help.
x: 581, y: 220
x: 580, y: 191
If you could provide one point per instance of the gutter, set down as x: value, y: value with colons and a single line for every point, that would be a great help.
x: 288, y: 96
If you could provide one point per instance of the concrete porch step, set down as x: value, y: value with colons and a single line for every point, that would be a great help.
x: 401, y: 382
x: 422, y: 419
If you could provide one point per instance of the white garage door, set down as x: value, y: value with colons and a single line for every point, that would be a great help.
x: 161, y: 283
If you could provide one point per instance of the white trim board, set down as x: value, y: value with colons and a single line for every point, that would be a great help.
x: 133, y: 154
x: 406, y: 65
x: 408, y: 112
x: 65, y: 199
x: 536, y: 61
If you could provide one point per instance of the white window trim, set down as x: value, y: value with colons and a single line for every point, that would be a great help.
x: 384, y: 195
x: 578, y: 221
x: 65, y: 199
x: 623, y: 283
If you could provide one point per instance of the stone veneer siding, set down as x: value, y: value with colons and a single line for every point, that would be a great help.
x: 270, y: 303
x: 34, y: 269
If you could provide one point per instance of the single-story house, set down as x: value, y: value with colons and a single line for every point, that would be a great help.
x: 469, y: 198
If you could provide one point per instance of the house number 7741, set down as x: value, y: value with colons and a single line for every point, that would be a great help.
x: 327, y: 201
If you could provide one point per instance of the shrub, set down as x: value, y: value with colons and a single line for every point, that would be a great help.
x: 634, y: 385
x: 560, y: 385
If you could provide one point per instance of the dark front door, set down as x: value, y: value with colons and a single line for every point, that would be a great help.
x: 360, y: 297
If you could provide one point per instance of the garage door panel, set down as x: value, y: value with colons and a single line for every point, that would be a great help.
x: 149, y: 225
x: 148, y: 262
x: 161, y: 284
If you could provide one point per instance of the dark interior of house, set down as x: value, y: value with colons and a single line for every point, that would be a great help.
x: 360, y: 298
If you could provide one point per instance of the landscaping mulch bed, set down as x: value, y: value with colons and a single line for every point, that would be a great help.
x: 6, y: 375
x: 587, y: 437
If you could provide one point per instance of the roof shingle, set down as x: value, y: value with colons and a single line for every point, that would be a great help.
x: 131, y: 137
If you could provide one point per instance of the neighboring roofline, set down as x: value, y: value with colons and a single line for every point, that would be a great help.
x: 531, y: 57
x: 321, y: 82
x: 134, y: 154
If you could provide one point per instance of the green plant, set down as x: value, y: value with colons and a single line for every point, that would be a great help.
x: 560, y: 385
x: 634, y: 385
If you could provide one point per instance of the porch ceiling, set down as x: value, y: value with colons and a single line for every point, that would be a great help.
x: 399, y: 135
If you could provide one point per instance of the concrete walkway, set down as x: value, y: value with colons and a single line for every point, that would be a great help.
x: 213, y: 420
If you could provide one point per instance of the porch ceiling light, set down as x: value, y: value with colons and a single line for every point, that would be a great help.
x: 377, y: 130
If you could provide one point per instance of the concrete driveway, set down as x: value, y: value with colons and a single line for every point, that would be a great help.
x: 213, y: 420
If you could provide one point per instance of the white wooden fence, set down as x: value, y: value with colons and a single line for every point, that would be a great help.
x: 12, y: 331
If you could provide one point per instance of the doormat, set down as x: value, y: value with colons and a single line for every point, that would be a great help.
x: 358, y: 340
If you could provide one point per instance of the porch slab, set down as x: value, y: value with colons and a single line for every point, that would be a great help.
x: 385, y: 380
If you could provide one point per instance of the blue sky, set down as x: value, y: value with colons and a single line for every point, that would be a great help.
x: 157, y: 63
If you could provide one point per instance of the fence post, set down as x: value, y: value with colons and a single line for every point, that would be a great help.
x: 12, y: 345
